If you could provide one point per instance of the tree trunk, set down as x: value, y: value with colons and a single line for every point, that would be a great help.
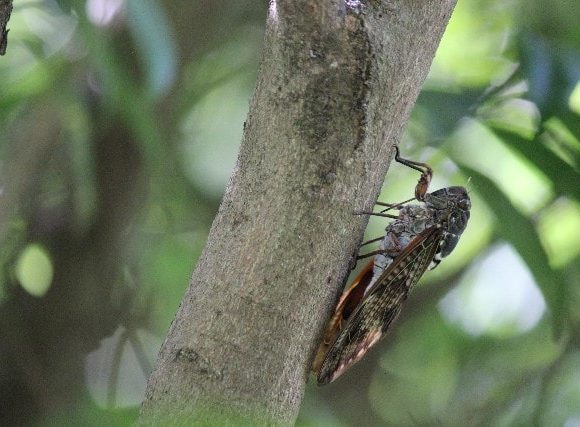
x: 336, y: 85
x: 5, y: 11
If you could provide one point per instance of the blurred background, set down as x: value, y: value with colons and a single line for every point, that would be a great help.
x: 120, y: 122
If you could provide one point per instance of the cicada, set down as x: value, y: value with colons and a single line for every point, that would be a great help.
x: 418, y: 238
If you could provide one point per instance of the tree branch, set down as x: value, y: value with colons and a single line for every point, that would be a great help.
x: 335, y: 89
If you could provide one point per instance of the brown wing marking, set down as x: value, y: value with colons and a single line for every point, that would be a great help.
x: 381, y: 306
x: 349, y: 300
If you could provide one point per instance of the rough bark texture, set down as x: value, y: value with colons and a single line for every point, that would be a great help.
x: 5, y: 11
x: 336, y: 85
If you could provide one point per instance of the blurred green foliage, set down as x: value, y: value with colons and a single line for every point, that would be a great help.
x: 119, y: 126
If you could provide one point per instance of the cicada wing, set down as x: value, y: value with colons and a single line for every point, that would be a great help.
x: 381, y: 306
x: 349, y: 300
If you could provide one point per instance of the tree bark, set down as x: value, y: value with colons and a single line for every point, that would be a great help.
x: 5, y: 11
x: 335, y: 89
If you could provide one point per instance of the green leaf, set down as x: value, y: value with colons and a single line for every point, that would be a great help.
x: 34, y: 270
x: 552, y: 72
x: 520, y: 231
x: 444, y: 110
x: 572, y: 122
x: 564, y: 178
x: 153, y: 37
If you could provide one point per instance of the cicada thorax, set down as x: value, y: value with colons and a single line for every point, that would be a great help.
x: 451, y: 208
x: 420, y: 236
x: 413, y: 219
x: 447, y: 208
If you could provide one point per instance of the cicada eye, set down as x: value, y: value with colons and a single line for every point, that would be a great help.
x: 464, y: 204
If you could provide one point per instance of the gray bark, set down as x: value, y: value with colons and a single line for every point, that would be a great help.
x: 336, y: 85
x: 5, y: 11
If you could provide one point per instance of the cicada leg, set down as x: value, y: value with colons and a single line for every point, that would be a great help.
x: 426, y: 174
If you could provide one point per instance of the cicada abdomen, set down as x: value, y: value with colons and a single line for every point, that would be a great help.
x: 419, y: 237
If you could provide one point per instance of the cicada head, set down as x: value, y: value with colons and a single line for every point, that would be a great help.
x: 448, y: 197
x: 452, y: 205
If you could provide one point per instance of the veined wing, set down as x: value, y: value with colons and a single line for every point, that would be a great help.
x: 372, y: 318
x: 349, y: 301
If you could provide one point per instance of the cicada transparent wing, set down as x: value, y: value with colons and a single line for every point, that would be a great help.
x: 349, y: 301
x: 381, y: 305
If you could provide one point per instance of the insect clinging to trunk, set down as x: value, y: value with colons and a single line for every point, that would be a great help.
x: 418, y: 238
